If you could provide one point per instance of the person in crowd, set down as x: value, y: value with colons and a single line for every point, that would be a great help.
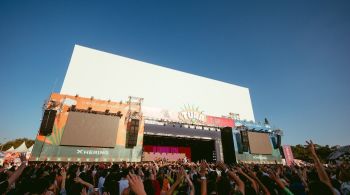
x: 101, y: 181
x: 124, y: 182
x: 180, y: 177
x: 344, y: 176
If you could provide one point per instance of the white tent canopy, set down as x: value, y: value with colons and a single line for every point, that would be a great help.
x: 21, y: 148
x: 30, y: 148
x: 10, y: 149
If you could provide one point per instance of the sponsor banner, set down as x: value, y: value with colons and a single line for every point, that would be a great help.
x: 219, y: 121
x: 85, y: 154
x: 187, y: 114
x: 288, y: 154
x: 258, y: 158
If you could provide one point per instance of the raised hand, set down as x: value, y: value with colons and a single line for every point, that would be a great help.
x: 273, y: 176
x: 251, y: 174
x: 311, y: 147
x: 78, y: 180
x: 221, y: 166
x: 63, y: 173
x: 180, y: 174
x: 185, y: 174
x: 203, y: 168
x: 322, y: 174
x: 278, y: 171
x: 136, y: 184
x: 239, y: 170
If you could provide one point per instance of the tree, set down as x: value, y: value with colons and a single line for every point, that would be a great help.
x: 17, y: 142
x: 301, y: 152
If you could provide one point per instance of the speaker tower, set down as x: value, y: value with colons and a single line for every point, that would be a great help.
x: 47, y: 122
x: 228, y: 145
x: 132, y: 132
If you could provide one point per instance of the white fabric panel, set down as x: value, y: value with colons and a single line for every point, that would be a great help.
x: 108, y: 76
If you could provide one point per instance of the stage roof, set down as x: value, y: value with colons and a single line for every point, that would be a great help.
x: 176, y: 131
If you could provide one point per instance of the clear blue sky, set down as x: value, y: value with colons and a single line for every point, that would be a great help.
x: 293, y: 55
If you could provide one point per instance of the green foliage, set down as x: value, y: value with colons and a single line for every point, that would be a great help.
x: 17, y: 142
x: 301, y: 152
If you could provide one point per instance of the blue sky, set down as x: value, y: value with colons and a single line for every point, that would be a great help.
x: 293, y: 55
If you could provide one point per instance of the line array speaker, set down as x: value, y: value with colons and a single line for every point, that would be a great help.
x: 228, y: 146
x: 132, y: 132
x: 47, y: 122
x: 279, y: 141
x: 245, y: 141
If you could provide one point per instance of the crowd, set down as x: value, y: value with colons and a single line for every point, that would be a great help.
x: 166, y: 178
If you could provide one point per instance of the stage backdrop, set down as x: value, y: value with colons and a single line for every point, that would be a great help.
x: 108, y: 76
x: 76, y: 135
x: 172, y: 153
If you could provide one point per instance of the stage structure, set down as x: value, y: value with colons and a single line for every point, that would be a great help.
x: 177, y: 115
x: 87, y: 129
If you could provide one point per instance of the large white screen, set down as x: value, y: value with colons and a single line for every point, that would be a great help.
x: 108, y: 76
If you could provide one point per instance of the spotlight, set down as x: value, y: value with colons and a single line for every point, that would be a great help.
x: 107, y: 112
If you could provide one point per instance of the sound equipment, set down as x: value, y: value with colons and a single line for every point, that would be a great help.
x: 274, y: 142
x: 279, y: 141
x: 228, y: 148
x: 214, y: 155
x: 245, y: 141
x: 47, y: 122
x: 239, y: 143
x: 132, y: 132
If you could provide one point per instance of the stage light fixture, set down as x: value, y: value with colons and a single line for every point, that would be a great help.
x: 119, y: 114
x: 107, y: 111
x: 73, y: 107
x: 89, y: 109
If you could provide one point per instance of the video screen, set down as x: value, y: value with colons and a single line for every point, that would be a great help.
x: 88, y: 129
x: 259, y: 143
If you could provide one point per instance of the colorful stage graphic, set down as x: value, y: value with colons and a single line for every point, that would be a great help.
x: 50, y: 148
